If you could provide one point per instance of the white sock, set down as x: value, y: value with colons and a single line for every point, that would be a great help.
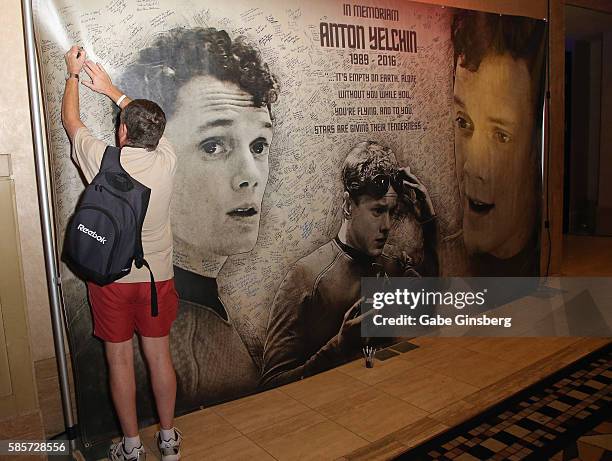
x: 167, y: 434
x: 131, y: 442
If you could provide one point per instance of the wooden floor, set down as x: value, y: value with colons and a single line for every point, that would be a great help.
x: 356, y: 413
x: 584, y: 255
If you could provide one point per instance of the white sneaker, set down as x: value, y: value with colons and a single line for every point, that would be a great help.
x: 170, y: 449
x: 117, y: 452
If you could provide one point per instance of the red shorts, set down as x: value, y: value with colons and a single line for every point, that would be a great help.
x: 119, y: 309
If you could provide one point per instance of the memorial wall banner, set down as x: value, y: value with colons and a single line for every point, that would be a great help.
x: 317, y: 142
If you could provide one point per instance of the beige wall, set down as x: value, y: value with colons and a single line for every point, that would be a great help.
x: 16, y: 140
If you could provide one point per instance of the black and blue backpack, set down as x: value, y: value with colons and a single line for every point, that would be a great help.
x: 104, y: 236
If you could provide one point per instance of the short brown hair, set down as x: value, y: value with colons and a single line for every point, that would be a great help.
x: 145, y: 122
x: 364, y: 162
x: 476, y: 35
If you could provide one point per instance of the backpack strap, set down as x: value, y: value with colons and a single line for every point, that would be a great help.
x: 139, y: 259
x: 139, y: 250
x: 139, y: 262
x: 110, y: 159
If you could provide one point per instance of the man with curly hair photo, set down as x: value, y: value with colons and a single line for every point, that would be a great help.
x: 217, y: 95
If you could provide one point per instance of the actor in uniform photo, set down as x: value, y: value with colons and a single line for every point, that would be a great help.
x: 315, y: 318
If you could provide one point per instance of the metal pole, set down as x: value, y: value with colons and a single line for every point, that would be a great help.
x: 46, y: 218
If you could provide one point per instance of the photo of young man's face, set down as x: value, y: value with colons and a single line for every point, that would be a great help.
x: 222, y: 142
x: 494, y: 130
x: 371, y: 222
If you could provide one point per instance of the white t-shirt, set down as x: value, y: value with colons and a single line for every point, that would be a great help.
x: 155, y: 169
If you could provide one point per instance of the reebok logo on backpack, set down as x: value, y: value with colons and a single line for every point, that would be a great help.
x: 104, y: 236
x: 92, y: 234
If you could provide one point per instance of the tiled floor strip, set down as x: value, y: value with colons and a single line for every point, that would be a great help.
x: 534, y: 424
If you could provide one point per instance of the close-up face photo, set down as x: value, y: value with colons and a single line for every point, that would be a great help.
x: 494, y: 151
x: 222, y: 142
x: 371, y: 221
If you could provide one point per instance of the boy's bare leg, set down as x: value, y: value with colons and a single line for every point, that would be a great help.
x: 120, y: 358
x: 163, y: 377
